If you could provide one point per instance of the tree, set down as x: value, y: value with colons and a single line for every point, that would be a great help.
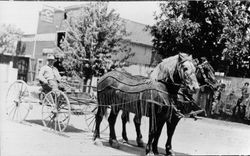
x: 208, y: 16
x: 94, y: 36
x: 173, y: 31
x: 9, y: 36
x: 236, y: 36
x: 218, y: 30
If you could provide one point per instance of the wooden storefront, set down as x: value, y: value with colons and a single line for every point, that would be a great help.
x: 19, y: 62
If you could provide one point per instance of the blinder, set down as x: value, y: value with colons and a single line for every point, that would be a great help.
x: 183, y: 75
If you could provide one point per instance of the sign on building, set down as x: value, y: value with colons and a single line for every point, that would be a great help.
x: 47, y: 14
x: 47, y: 51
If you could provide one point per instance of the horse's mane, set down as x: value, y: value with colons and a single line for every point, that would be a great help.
x: 210, y: 79
x: 208, y: 65
x: 166, y: 69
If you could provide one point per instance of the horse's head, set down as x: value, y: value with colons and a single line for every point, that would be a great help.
x: 206, y: 75
x: 187, y: 72
x: 178, y: 70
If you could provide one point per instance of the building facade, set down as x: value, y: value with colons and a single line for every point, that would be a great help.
x: 51, y: 30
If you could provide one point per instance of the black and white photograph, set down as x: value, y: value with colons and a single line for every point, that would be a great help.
x: 124, y: 78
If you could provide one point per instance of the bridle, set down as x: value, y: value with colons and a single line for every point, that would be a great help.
x: 206, y: 79
x: 181, y: 85
x: 181, y: 76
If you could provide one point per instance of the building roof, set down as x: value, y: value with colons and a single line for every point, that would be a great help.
x: 137, y: 30
x: 138, y: 33
x: 73, y: 7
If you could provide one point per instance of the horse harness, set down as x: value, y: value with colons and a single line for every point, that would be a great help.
x: 201, y: 67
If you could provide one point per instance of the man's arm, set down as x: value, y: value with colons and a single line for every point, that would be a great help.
x: 41, y: 77
x: 57, y: 75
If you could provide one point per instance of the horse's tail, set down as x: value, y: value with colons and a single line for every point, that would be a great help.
x: 103, y: 102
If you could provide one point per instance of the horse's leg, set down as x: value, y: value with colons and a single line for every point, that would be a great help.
x: 112, y: 136
x: 137, y: 122
x: 171, y: 125
x: 157, y: 134
x: 209, y: 107
x: 150, y: 137
x: 124, y: 118
x: 98, y: 119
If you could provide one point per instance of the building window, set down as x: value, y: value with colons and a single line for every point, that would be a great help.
x: 60, y: 38
x: 65, y: 15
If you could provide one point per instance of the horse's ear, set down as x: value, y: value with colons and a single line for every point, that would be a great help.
x: 184, y: 57
x: 180, y: 57
x: 195, y: 61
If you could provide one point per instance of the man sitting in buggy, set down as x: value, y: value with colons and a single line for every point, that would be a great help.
x: 49, y: 76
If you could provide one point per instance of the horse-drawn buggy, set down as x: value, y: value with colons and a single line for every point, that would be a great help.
x: 164, y: 98
x: 57, y: 106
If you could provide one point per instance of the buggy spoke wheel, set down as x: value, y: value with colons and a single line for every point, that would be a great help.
x: 18, y: 103
x: 90, y: 112
x: 56, y: 110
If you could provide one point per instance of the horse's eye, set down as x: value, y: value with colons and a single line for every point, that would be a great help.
x: 185, y: 69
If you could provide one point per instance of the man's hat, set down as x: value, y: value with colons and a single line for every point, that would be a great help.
x: 50, y: 57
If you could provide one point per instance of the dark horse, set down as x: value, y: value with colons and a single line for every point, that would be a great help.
x: 154, y: 97
x: 206, y: 78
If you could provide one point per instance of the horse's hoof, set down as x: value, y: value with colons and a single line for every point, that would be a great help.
x: 96, y: 136
x: 155, y: 151
x: 170, y: 153
x: 148, y: 149
x: 98, y: 142
x: 140, y: 142
x: 124, y: 141
x: 125, y: 138
x: 150, y: 154
x: 114, y: 143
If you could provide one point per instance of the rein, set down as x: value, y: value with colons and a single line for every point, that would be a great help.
x: 191, y: 100
x: 210, y: 83
x: 192, y: 113
x: 172, y: 83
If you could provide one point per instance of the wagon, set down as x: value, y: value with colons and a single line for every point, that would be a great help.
x: 57, y: 106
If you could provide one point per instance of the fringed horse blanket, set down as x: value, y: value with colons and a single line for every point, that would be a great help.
x: 135, y: 94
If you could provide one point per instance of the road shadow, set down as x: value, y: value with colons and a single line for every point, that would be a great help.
x: 132, y: 148
x: 68, y: 129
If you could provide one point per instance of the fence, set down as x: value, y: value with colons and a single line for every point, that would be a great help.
x: 8, y: 74
x: 227, y: 107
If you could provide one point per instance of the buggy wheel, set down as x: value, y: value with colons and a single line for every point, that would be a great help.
x: 18, y: 103
x: 56, y: 110
x: 90, y: 111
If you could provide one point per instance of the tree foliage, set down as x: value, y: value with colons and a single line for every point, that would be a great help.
x: 9, y: 37
x: 236, y: 36
x: 173, y: 31
x: 93, y: 35
x: 218, y: 30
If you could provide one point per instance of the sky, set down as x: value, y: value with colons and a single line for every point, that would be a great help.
x: 24, y: 15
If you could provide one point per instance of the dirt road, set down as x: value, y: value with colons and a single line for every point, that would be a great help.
x: 204, y: 136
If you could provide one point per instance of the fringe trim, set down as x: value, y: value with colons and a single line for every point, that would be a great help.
x: 135, y: 102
